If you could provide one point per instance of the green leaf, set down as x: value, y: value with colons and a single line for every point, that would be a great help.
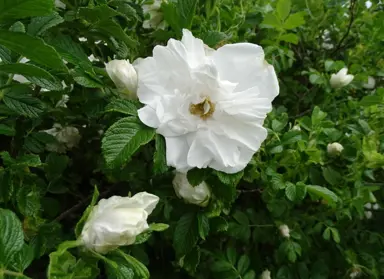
x: 294, y: 20
x: 85, y: 79
x: 28, y: 201
x: 11, y: 236
x: 55, y: 165
x: 97, y: 13
x: 127, y: 107
x: 243, y: 264
x: 203, y: 225
x: 196, y: 176
x: 327, y: 233
x: 23, y: 104
x: 214, y: 38
x: 140, y: 270
x: 271, y: 20
x: 159, y: 158
x: 123, y: 139
x: 290, y: 191
x: 335, y: 235
x: 221, y: 266
x: 41, y: 24
x: 15, y: 9
x: 119, y: 270
x: 83, y: 219
x: 70, y: 51
x: 17, y: 27
x: 179, y: 15
x: 231, y: 255
x: 28, y: 160
x: 22, y: 259
x: 230, y: 178
x: 317, y: 116
x: 322, y: 192
x: 283, y: 8
x: 5, y: 55
x: 6, y: 130
x: 241, y: 218
x: 186, y: 234
x: 371, y: 100
x: 158, y: 227
x: 34, y: 74
x: 331, y: 176
x: 33, y: 48
x: 190, y: 261
x: 250, y: 275
x: 290, y: 38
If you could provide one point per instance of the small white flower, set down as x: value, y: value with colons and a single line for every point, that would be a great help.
x: 341, y: 79
x: 296, y: 128
x: 83, y: 39
x: 266, y: 274
x: 334, y: 148
x: 67, y: 138
x: 59, y: 4
x: 124, y: 75
x: 92, y: 58
x: 368, y: 205
x: 63, y: 101
x: 100, y: 132
x: 370, y: 84
x: 210, y: 107
x: 117, y: 221
x: 368, y: 214
x: 284, y: 231
x: 198, y: 195
x: 368, y: 4
x: 376, y: 206
x: 153, y: 11
x: 327, y: 46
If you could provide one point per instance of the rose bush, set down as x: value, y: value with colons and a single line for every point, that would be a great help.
x: 191, y: 139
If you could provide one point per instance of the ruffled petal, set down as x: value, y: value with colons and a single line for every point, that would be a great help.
x: 176, y: 152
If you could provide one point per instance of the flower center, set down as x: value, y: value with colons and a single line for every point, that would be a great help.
x: 204, y: 110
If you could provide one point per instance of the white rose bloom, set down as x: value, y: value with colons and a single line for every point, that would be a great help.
x: 368, y: 4
x: 209, y: 105
x: 334, y: 148
x: 266, y: 274
x: 124, y: 75
x: 341, y: 79
x: 83, y: 39
x: 368, y: 205
x: 198, y: 195
x: 67, y: 138
x: 63, y: 101
x: 153, y: 11
x: 117, y: 221
x: 284, y: 231
x: 60, y: 4
x: 370, y: 84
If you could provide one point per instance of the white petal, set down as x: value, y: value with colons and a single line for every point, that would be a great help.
x: 176, y: 152
x: 194, y: 48
x: 148, y: 116
x: 143, y: 200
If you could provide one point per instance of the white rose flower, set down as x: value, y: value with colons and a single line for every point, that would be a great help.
x: 334, y: 148
x: 341, y: 79
x: 284, y: 231
x: 209, y: 105
x: 67, y: 138
x: 368, y: 205
x: 198, y: 195
x: 368, y: 4
x: 117, y: 221
x: 153, y: 11
x: 370, y: 84
x: 124, y: 75
x: 266, y: 274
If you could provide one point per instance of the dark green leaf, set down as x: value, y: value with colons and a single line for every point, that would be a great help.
x: 371, y: 100
x: 243, y: 264
x: 13, y: 9
x: 221, y: 266
x: 159, y: 158
x: 41, y: 24
x: 11, y: 235
x: 322, y: 192
x: 85, y: 79
x: 6, y: 130
x: 123, y: 139
x: 196, y: 176
x: 83, y: 219
x: 203, y: 225
x: 186, y: 234
x: 28, y: 201
x: 331, y: 176
x: 214, y: 38
x: 33, y: 48
x: 230, y: 178
x: 127, y: 107
x: 23, y: 104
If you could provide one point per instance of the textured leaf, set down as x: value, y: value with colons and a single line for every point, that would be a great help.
x: 331, y: 176
x: 85, y: 79
x: 41, y: 24
x: 196, y: 176
x: 179, y: 15
x: 290, y: 38
x: 139, y: 269
x: 127, y: 107
x: 186, y: 234
x: 120, y: 270
x: 28, y: 201
x: 159, y: 158
x: 214, y: 38
x: 123, y: 139
x: 12, y: 9
x: 290, y: 192
x: 22, y: 259
x: 33, y: 48
x: 34, y: 74
x: 271, y: 20
x: 203, y: 225
x: 230, y: 178
x: 24, y: 104
x: 243, y: 264
x: 324, y: 193
x: 294, y: 20
x: 11, y: 235
x: 6, y: 130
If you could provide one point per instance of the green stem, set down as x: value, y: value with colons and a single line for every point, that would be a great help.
x: 12, y: 273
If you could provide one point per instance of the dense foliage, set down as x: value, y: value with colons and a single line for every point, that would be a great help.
x: 308, y: 205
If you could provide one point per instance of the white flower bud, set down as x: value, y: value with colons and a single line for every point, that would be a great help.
x: 341, y: 79
x: 376, y: 206
x: 67, y: 138
x: 296, y: 128
x: 154, y: 15
x: 83, y: 39
x: 124, y: 75
x: 368, y: 214
x: 92, y: 58
x: 368, y: 205
x: 266, y: 274
x: 63, y: 102
x: 334, y: 148
x: 117, y: 221
x: 198, y: 195
x: 368, y: 4
x: 370, y: 84
x: 284, y: 231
